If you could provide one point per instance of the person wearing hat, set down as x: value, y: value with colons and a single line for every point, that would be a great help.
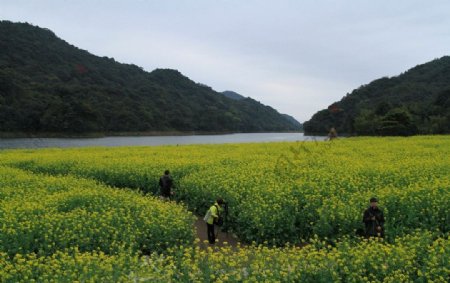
x: 373, y: 219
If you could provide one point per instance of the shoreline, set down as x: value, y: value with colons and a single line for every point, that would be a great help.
x: 20, y: 135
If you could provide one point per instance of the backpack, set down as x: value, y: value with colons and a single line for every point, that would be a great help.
x: 219, y: 221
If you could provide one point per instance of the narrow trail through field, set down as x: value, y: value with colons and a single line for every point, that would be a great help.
x: 200, y: 227
x: 199, y: 224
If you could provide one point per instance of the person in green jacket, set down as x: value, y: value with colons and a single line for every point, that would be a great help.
x: 213, y: 217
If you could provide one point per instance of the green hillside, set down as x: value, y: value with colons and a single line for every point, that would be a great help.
x: 50, y: 86
x: 233, y: 95
x: 415, y: 102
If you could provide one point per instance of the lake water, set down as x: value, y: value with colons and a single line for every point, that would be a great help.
x: 154, y: 140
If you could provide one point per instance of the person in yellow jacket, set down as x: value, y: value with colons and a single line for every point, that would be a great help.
x: 213, y: 217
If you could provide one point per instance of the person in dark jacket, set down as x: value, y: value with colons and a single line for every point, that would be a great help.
x: 373, y: 219
x: 166, y: 184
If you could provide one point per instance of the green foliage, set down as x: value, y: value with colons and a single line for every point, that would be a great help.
x: 367, y: 123
x: 396, y: 122
x: 58, y: 228
x: 43, y: 215
x: 415, y: 102
x: 47, y: 85
x: 291, y: 189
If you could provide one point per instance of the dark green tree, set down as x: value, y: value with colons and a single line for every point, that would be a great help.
x: 397, y: 122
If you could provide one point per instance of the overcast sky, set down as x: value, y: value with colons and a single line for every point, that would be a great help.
x: 296, y: 56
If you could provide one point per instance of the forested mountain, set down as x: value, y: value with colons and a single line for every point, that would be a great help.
x: 415, y: 102
x: 293, y: 121
x: 237, y: 96
x: 232, y: 95
x: 48, y: 85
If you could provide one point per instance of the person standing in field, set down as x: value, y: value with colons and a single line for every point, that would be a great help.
x: 213, y: 217
x: 332, y: 134
x: 166, y: 184
x: 373, y: 219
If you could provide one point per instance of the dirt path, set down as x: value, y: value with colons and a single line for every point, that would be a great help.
x: 200, y: 226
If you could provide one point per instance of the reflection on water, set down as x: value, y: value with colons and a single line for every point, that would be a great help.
x: 153, y: 140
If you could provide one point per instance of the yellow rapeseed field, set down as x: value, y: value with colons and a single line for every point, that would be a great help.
x: 61, y: 220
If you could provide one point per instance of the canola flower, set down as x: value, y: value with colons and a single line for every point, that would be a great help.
x: 60, y: 222
x: 347, y: 261
x: 296, y: 190
x: 418, y: 257
x: 42, y: 215
x: 68, y: 266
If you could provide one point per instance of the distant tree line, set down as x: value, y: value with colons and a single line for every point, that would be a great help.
x: 415, y: 102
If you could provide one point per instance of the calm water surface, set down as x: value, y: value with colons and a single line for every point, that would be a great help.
x: 154, y: 140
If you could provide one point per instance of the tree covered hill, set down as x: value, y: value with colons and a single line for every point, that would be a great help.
x: 237, y: 96
x: 415, y: 102
x: 48, y: 85
x: 232, y: 95
x: 293, y: 121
